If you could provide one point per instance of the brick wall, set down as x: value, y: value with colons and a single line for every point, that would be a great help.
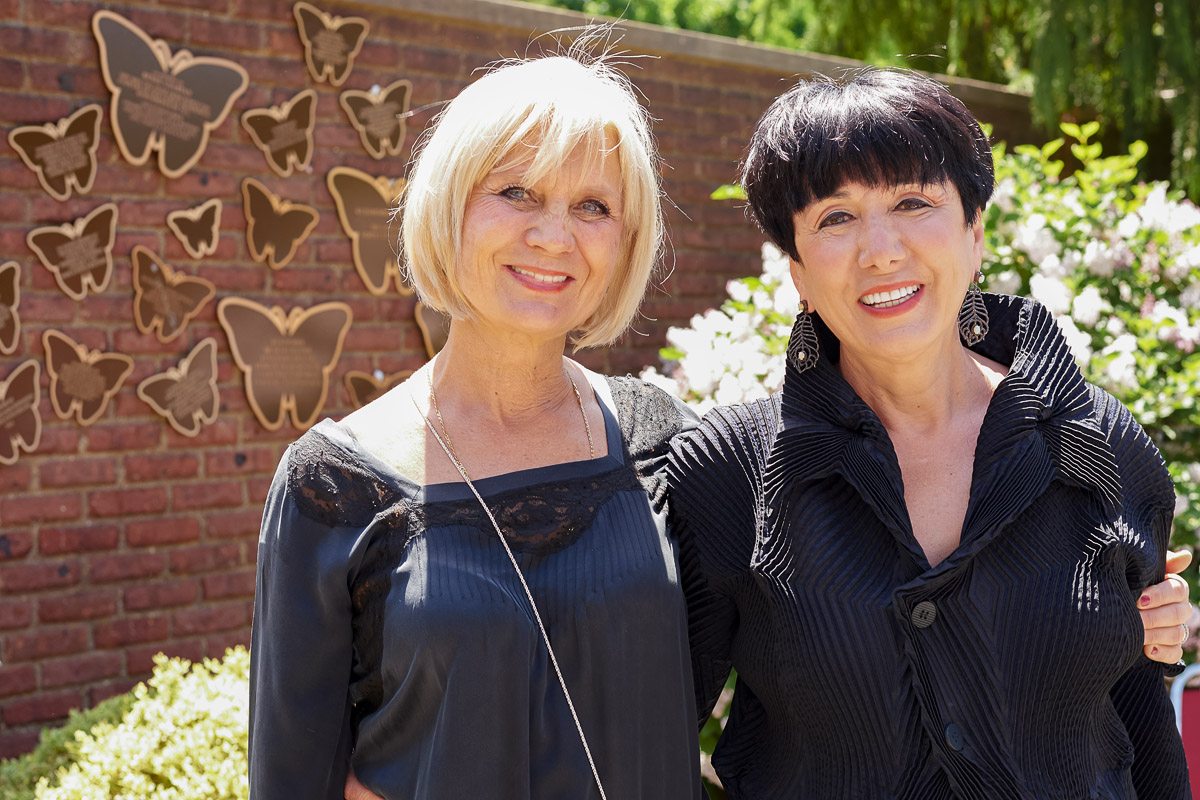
x: 124, y: 538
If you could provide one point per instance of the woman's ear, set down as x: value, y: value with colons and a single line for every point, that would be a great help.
x: 797, y: 269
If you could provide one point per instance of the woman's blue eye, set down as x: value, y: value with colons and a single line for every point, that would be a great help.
x: 514, y: 192
x: 595, y: 207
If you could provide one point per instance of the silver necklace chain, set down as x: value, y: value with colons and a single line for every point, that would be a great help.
x: 587, y: 426
x: 587, y: 751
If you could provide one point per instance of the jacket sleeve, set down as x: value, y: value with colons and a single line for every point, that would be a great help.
x: 715, y: 475
x: 1140, y: 696
x: 301, y: 654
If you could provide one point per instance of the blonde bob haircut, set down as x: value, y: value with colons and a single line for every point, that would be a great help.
x: 538, y: 110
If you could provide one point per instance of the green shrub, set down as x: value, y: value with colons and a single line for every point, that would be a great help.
x: 180, y: 736
x: 57, y: 748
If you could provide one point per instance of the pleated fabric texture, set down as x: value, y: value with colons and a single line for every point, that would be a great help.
x: 388, y: 619
x: 1010, y: 670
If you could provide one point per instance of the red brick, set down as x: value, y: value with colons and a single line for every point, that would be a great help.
x: 15, y: 614
x: 80, y: 606
x: 258, y: 488
x: 224, y: 431
x: 166, y: 594
x: 123, y: 436
x: 210, y: 618
x: 15, y: 544
x: 17, y: 744
x: 127, y: 502
x: 77, y: 472
x: 39, y: 508
x: 81, y: 539
x: 58, y: 440
x: 43, y: 644
x: 126, y: 566
x: 140, y: 660
x: 237, y: 524
x: 81, y: 669
x: 247, y: 461
x: 387, y: 340
x: 17, y: 679
x: 192, y: 496
x: 14, y: 478
x: 42, y: 708
x: 234, y: 584
x: 101, y: 692
x: 160, y: 466
x: 226, y: 34
x: 130, y: 630
x: 205, y: 558
x: 159, y: 531
x: 33, y: 577
x: 216, y: 645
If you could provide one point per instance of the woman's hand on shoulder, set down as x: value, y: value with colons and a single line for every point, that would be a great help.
x: 356, y: 791
x: 1166, y: 612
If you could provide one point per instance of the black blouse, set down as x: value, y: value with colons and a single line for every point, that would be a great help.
x: 1012, y: 669
x: 388, y: 616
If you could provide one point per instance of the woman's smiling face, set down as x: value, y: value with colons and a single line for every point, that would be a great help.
x: 887, y: 267
x: 538, y: 257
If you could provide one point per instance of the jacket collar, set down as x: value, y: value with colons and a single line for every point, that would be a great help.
x: 1040, y: 420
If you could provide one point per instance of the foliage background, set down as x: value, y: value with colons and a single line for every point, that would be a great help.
x: 1134, y: 67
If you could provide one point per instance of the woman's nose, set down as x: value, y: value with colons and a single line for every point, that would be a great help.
x: 879, y: 245
x: 551, y: 230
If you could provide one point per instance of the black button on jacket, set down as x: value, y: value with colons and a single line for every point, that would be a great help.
x: 1011, y: 670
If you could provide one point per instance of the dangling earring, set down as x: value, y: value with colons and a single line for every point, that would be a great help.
x: 803, y: 350
x: 973, y: 316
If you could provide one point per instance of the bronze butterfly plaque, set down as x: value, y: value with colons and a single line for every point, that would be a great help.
x: 330, y: 43
x: 435, y: 328
x: 164, y: 300
x: 20, y: 420
x: 10, y: 298
x: 62, y: 154
x: 78, y: 254
x: 285, y: 133
x: 364, y: 207
x: 164, y: 102
x: 378, y: 117
x: 82, y: 381
x: 365, y: 387
x: 186, y: 396
x: 197, y: 228
x: 274, y: 226
x: 285, y: 358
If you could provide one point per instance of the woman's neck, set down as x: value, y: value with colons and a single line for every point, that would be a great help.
x: 926, y: 392
x: 503, y: 377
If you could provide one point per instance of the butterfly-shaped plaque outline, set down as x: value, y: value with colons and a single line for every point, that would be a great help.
x: 85, y: 355
x: 286, y: 324
x: 354, y: 377
x: 387, y: 190
x: 195, y: 214
x: 350, y: 103
x: 17, y: 441
x: 268, y: 254
x: 14, y: 269
x: 58, y: 130
x: 200, y: 419
x: 168, y: 62
x: 428, y: 336
x: 278, y: 114
x: 172, y: 278
x: 74, y: 230
x: 327, y: 72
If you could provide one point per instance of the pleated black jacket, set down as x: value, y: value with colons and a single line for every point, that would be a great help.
x: 1011, y: 670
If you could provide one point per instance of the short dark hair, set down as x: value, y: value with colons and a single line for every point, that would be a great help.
x: 876, y: 127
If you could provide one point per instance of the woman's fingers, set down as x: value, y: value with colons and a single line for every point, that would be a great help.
x: 1178, y: 560
x: 1164, y: 605
x: 356, y: 791
x: 1163, y: 654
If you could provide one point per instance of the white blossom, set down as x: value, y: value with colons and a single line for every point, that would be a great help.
x: 1006, y: 282
x: 1050, y: 292
x: 1035, y: 239
x: 1087, y: 307
x: 1189, y: 298
x: 1192, y: 473
x: 1003, y: 195
x: 1158, y: 213
x: 1122, y: 371
x: 655, y: 378
x: 1099, y: 258
x: 1181, y: 504
x: 738, y: 291
x: 1078, y: 341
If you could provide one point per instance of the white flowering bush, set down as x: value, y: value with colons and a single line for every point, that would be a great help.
x: 1117, y: 262
x: 182, y: 738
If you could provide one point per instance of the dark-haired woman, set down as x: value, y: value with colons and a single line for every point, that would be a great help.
x: 924, y: 558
